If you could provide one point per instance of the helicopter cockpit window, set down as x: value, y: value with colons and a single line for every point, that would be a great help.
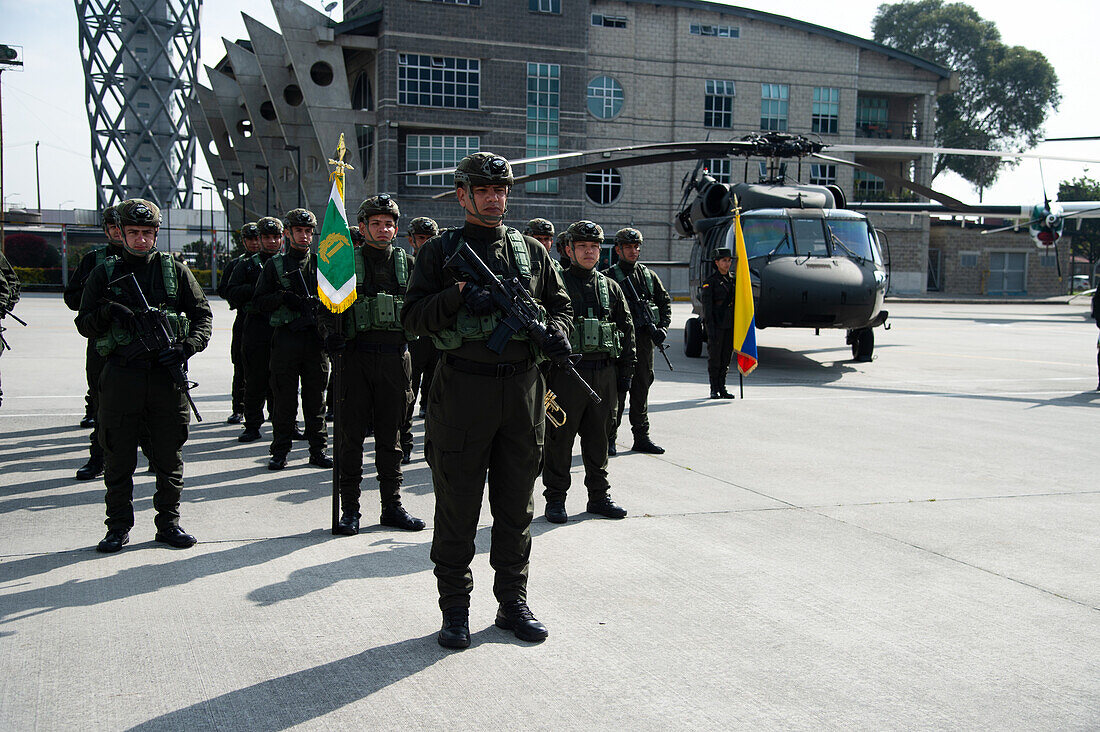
x: 809, y: 237
x: 763, y: 236
x: 854, y: 239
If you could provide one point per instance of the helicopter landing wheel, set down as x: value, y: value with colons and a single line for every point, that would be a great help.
x: 693, y: 338
x: 863, y: 344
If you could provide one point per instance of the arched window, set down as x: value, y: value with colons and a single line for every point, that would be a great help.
x: 360, y: 93
x: 603, y: 187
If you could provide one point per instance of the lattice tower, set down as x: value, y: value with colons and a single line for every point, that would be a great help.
x: 140, y: 65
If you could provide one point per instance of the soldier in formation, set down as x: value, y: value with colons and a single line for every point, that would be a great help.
x: 485, y: 409
x: 422, y: 351
x: 603, y: 334
x: 717, y: 299
x: 286, y: 294
x: 139, y: 400
x: 250, y: 238
x: 93, y: 361
x: 256, y: 333
x: 372, y: 353
x: 654, y: 298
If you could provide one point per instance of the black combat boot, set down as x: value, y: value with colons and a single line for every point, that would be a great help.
x: 277, y: 462
x: 320, y: 460
x: 113, y: 541
x: 174, y: 536
x: 235, y: 418
x: 88, y: 421
x: 642, y: 443
x: 91, y: 469
x: 515, y: 616
x: 604, y: 506
x: 250, y: 434
x: 348, y: 525
x: 395, y: 515
x: 455, y: 632
x: 555, y: 512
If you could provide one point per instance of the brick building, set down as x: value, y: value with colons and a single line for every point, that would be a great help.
x: 417, y: 84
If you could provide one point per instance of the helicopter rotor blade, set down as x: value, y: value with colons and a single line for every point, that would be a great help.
x: 894, y: 149
x: 904, y: 183
x: 1040, y: 220
x: 1011, y: 227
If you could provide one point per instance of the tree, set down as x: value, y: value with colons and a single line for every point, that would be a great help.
x: 31, y: 250
x: 1005, y: 92
x: 1086, y: 240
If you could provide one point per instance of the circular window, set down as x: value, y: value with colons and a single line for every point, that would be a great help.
x: 321, y: 73
x: 603, y: 187
x: 244, y: 127
x: 293, y: 95
x: 605, y: 97
x: 267, y: 111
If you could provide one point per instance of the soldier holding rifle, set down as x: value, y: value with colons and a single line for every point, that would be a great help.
x: 146, y: 349
x: 485, y: 406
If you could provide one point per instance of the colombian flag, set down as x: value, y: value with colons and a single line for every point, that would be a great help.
x: 335, y: 254
x: 744, y: 315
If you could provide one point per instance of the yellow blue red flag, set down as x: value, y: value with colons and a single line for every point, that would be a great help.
x: 744, y: 312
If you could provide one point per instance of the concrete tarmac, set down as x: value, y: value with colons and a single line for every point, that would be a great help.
x: 910, y: 543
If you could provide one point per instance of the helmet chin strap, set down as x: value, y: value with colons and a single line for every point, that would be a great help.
x: 487, y: 220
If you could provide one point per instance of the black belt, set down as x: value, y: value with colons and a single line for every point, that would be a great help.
x: 594, y: 364
x: 498, y: 370
x: 366, y: 347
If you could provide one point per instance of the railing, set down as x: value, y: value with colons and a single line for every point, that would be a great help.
x: 894, y: 129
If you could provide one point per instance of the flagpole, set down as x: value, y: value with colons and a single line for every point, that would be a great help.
x: 741, y: 383
x: 337, y: 404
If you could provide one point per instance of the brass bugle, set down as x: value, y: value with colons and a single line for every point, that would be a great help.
x: 553, y: 409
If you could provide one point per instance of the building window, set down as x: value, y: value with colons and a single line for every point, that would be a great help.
x: 438, y: 81
x: 718, y: 104
x: 773, y: 107
x: 968, y: 259
x: 720, y: 31
x: 543, y: 86
x: 822, y: 174
x: 603, y: 186
x: 868, y: 187
x: 719, y: 169
x: 427, y: 152
x: 361, y: 97
x: 826, y: 110
x: 1047, y: 259
x: 871, y: 116
x: 545, y: 6
x: 608, y: 21
x: 364, y: 135
x: 605, y: 97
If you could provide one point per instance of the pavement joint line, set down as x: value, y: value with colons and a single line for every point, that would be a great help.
x: 918, y: 547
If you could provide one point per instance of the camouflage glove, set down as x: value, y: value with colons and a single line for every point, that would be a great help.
x: 556, y: 345
x: 479, y: 301
x: 174, y: 355
x: 659, y: 336
x: 120, y: 314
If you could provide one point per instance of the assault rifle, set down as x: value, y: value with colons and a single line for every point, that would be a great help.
x: 154, y: 334
x: 520, y: 310
x: 17, y: 319
x: 644, y: 318
x: 310, y: 301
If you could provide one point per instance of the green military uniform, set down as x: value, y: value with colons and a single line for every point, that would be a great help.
x: 422, y: 352
x: 717, y: 296
x: 296, y: 354
x: 9, y: 295
x: 374, y: 377
x: 93, y: 361
x: 603, y: 333
x: 255, y: 338
x: 138, y: 400
x: 236, y: 345
x: 485, y: 411
x: 654, y: 296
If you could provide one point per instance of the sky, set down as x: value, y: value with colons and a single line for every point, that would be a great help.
x: 45, y: 102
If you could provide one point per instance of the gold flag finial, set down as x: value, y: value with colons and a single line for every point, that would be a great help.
x: 339, y: 164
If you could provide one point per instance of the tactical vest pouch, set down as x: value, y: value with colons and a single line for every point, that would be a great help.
x: 654, y: 312
x: 384, y: 312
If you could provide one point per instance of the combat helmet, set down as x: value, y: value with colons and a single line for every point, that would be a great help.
x: 628, y: 236
x: 382, y: 203
x: 483, y: 169
x: 539, y: 227
x: 269, y: 225
x: 110, y: 216
x: 300, y: 217
x: 423, y: 226
x: 250, y: 230
x: 584, y: 231
x: 138, y: 212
